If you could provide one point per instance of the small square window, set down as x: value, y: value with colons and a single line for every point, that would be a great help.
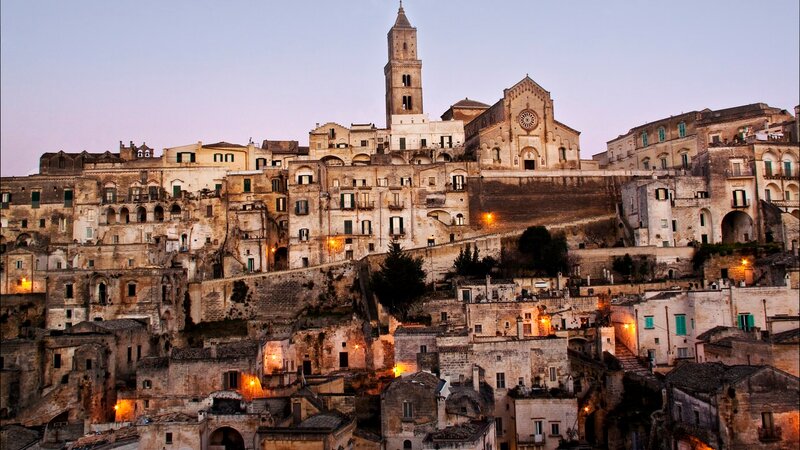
x: 168, y: 438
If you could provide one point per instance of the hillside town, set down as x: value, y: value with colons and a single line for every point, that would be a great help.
x: 465, y: 282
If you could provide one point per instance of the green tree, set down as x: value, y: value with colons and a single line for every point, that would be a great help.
x: 545, y: 253
x: 399, y: 282
x: 468, y: 263
x: 623, y: 265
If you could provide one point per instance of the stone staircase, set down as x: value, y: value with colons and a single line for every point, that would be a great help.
x: 630, y: 363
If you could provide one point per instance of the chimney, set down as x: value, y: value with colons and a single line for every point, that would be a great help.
x: 520, y: 334
x: 476, y: 382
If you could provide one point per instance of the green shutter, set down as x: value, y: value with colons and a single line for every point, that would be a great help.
x: 178, y: 158
x: 176, y: 191
x: 680, y: 325
x: 648, y: 322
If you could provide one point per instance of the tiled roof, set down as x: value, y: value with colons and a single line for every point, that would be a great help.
x: 224, y: 144
x: 402, y: 20
x: 328, y: 420
x: 787, y: 337
x: 120, y: 324
x: 707, y: 377
x: 230, y: 350
x: 466, y: 432
x: 467, y: 103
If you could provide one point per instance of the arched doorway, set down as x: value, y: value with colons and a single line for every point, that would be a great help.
x: 141, y: 214
x: 111, y: 216
x: 529, y: 157
x: 227, y: 438
x: 737, y: 226
x: 158, y: 213
x: 281, y: 258
x: 124, y: 216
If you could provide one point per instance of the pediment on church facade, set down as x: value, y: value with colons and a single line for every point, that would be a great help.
x: 526, y: 85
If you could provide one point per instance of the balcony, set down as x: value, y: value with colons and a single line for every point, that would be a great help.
x: 397, y: 233
x: 786, y: 203
x: 366, y: 205
x: 396, y: 206
x: 740, y: 203
x: 781, y: 175
x: 743, y: 172
x: 769, y: 434
x: 346, y: 207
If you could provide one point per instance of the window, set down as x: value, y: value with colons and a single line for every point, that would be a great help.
x: 538, y: 427
x: 396, y: 225
x: 663, y: 163
x: 768, y: 168
x: 423, y: 143
x: 648, y: 323
x: 406, y: 80
x: 402, y: 143
x: 674, y: 225
x: 68, y: 291
x: 685, y: 160
x: 662, y: 134
x: 644, y: 140
x: 405, y: 181
x: 555, y: 429
x: 247, y: 185
x: 5, y: 199
x: 366, y: 227
x: 305, y: 179
x: 478, y: 329
x: 131, y: 289
x: 444, y: 316
x: 89, y: 232
x: 527, y: 329
x: 383, y: 182
x: 498, y: 426
x: 407, y: 102
x: 787, y: 168
x: 147, y: 384
x: 682, y: 129
x: 35, y: 197
x: 280, y: 204
x: 348, y: 227
x: 56, y: 360
x: 217, y: 157
x: 303, y: 234
x: 42, y: 223
x: 702, y: 219
x: 230, y: 380
x: 408, y: 410
x: 501, y: 380
x: 458, y: 182
x: 347, y: 201
x: 301, y: 207
x: 664, y: 223
x: 662, y: 194
x: 138, y: 352
x: 276, y: 185
x: 739, y: 198
x: 67, y: 197
x: 229, y: 157
x: 553, y: 374
x: 423, y: 349
x: 69, y: 314
x: 88, y: 364
x: 683, y: 352
x: 90, y: 263
x: 680, y: 324
x: 251, y: 265
x: 168, y: 438
x: 768, y: 423
x: 746, y: 321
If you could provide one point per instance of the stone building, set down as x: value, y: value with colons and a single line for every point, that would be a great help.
x: 735, y: 346
x: 719, y: 406
x: 519, y: 132
x: 664, y: 327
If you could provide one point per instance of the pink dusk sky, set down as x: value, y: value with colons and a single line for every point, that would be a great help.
x: 83, y: 75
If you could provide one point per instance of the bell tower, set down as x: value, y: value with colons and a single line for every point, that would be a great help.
x: 403, y: 71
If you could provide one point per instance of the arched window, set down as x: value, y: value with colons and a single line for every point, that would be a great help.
x: 459, y: 219
x: 496, y: 155
x: 158, y: 213
x: 218, y: 157
x: 646, y: 164
x: 229, y: 157
x: 141, y: 214
x: 303, y: 235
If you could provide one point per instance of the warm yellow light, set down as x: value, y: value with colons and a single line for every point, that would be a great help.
x: 274, y: 357
x: 356, y: 347
x: 116, y: 407
x: 252, y: 382
x: 273, y: 249
x: 24, y: 280
x: 488, y: 218
x: 626, y: 326
x: 397, y: 370
x: 586, y: 409
x: 744, y: 262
